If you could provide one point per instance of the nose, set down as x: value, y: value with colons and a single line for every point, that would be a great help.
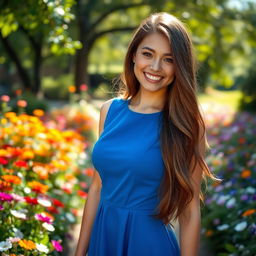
x: 155, y: 65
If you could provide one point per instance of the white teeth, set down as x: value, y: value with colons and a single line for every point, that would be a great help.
x: 155, y: 78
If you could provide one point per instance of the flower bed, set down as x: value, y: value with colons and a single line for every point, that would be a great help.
x: 44, y: 177
x: 229, y: 224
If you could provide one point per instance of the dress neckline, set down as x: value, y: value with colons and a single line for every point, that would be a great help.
x: 140, y: 113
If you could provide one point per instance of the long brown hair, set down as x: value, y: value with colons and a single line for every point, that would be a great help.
x: 182, y: 121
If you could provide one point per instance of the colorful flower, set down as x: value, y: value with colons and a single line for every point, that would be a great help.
x: 57, y: 246
x: 5, y: 245
x: 241, y: 226
x: 5, y: 197
x: 249, y: 212
x: 27, y: 244
x: 42, y: 248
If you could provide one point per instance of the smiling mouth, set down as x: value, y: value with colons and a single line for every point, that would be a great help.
x: 152, y: 78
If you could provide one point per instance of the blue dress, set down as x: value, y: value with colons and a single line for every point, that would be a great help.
x: 128, y: 158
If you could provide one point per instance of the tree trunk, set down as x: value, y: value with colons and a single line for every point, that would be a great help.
x: 24, y: 77
x: 81, y: 66
x: 37, y: 68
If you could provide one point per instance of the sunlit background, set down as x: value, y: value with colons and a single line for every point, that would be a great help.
x: 58, y: 59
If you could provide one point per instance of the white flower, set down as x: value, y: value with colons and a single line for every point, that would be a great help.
x: 18, y: 214
x: 27, y: 190
x: 241, y: 226
x: 222, y: 199
x: 5, y: 245
x: 42, y: 248
x: 48, y: 226
x: 223, y: 227
x: 18, y: 233
x: 250, y: 190
x: 231, y: 202
x: 44, y: 202
x: 70, y: 217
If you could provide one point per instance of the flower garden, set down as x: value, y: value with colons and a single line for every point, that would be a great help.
x: 45, y: 173
x: 229, y: 223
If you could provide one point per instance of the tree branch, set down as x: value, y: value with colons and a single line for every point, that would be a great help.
x: 114, y: 9
x: 15, y: 58
x: 107, y: 31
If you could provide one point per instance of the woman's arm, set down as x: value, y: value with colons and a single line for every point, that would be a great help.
x: 93, y: 198
x: 190, y: 219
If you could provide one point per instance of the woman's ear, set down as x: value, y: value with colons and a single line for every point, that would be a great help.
x: 133, y: 58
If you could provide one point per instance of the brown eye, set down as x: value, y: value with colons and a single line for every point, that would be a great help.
x: 169, y: 60
x: 147, y: 54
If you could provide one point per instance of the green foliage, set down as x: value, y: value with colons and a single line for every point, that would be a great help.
x: 33, y: 103
x: 49, y: 19
x: 57, y: 87
x: 248, y: 102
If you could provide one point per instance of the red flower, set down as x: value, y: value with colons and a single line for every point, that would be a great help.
x: 53, y: 209
x: 57, y: 203
x: 31, y: 200
x: 21, y: 164
x: 82, y: 194
x: 3, y: 161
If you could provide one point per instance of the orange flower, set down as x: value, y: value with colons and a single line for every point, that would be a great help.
x: 246, y: 173
x: 27, y: 154
x: 38, y: 187
x: 241, y: 140
x: 5, y: 186
x: 209, y: 233
x: 27, y: 244
x: 249, y: 212
x: 72, y: 89
x: 38, y: 112
x: 21, y: 103
x: 89, y: 172
x: 12, y: 179
x: 18, y: 92
x: 41, y: 171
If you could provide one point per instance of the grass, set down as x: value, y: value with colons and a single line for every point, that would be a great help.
x: 226, y: 98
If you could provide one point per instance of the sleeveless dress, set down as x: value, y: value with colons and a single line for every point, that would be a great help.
x: 128, y: 159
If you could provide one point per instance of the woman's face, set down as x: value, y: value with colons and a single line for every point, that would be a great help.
x: 153, y: 63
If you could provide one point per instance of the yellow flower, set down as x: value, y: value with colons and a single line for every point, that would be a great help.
x: 3, y: 121
x: 27, y: 244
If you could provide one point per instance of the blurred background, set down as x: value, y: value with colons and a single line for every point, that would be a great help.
x: 58, y: 60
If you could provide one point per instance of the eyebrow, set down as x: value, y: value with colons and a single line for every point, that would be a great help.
x: 152, y: 50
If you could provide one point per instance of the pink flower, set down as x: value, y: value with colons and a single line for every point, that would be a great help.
x: 57, y: 246
x: 43, y: 218
x: 5, y: 98
x: 83, y: 87
x: 5, y: 197
x: 21, y: 103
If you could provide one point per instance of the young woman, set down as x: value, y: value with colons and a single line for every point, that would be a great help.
x: 150, y: 153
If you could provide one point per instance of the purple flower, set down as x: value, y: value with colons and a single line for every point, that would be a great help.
x: 244, y: 197
x: 5, y: 197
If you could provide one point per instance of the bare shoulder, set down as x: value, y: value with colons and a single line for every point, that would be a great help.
x: 103, y: 113
x: 105, y: 106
